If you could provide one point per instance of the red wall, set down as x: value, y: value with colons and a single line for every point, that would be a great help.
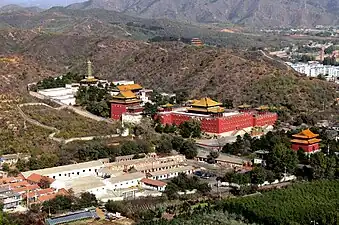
x: 306, y: 148
x: 117, y: 110
x: 222, y: 124
x: 265, y: 119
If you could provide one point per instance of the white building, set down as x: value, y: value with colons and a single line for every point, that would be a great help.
x: 313, y: 69
x: 11, y: 159
x: 125, y: 181
x: 170, y: 173
x: 91, y: 184
x: 123, y: 82
x: 64, y: 95
x: 69, y: 171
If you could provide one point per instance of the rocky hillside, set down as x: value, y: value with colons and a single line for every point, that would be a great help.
x: 250, y: 12
x: 242, y: 76
x: 99, y: 22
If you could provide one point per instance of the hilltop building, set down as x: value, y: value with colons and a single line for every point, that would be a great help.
x: 216, y: 120
x: 307, y: 141
x: 196, y: 42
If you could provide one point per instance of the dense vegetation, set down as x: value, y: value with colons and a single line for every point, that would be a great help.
x: 95, y: 100
x: 69, y: 123
x: 51, y: 82
x: 300, y: 204
x: 183, y: 183
x: 200, y: 217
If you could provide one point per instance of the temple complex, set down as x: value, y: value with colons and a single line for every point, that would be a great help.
x: 216, y: 120
x: 307, y: 141
x: 125, y: 102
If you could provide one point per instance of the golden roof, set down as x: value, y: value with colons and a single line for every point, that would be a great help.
x: 129, y: 87
x: 168, y: 105
x: 311, y: 141
x: 89, y: 79
x: 244, y: 106
x: 305, y: 134
x: 125, y: 94
x: 263, y: 107
x: 215, y: 109
x: 205, y: 102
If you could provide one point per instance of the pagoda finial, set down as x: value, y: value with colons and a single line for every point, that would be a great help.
x: 89, y: 69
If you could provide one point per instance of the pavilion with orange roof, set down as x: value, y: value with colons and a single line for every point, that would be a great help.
x: 307, y: 141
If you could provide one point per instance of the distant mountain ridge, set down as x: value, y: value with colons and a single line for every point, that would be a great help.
x: 38, y: 3
x: 248, y: 12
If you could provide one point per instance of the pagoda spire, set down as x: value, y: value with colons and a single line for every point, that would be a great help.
x: 89, y: 69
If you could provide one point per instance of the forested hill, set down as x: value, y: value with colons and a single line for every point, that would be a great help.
x: 239, y: 75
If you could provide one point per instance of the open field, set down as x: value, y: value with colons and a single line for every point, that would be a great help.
x: 70, y: 124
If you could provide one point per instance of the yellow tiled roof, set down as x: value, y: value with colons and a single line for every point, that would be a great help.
x: 215, y: 109
x: 129, y: 87
x: 168, y: 105
x: 312, y: 141
x: 205, y: 102
x: 125, y: 94
x: 263, y: 107
x: 244, y: 106
x: 306, y: 134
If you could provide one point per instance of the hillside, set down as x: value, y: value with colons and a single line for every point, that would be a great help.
x: 249, y: 12
x: 99, y: 22
x: 240, y: 75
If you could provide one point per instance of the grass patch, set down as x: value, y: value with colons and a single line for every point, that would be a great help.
x: 69, y: 123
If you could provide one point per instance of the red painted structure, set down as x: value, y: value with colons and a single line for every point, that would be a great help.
x: 221, y: 123
x: 125, y: 102
x: 307, y: 141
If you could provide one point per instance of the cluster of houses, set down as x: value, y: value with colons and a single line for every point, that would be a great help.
x: 125, y: 178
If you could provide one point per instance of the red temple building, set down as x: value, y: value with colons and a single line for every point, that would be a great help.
x: 215, y: 120
x: 125, y: 102
x: 307, y: 141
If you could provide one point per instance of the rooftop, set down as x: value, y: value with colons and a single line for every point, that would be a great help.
x: 125, y: 94
x: 205, y: 102
x: 156, y: 183
x: 305, y: 134
x: 223, y: 157
x: 60, y: 169
x: 127, y: 177
x: 83, y: 184
x: 129, y: 87
x: 172, y: 170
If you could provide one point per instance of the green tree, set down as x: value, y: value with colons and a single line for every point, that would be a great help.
x: 164, y: 145
x: 113, y: 206
x: 282, y: 159
x: 189, y: 149
x: 258, y: 175
x: 323, y: 167
x: 190, y: 129
x: 87, y: 200
x: 150, y: 109
x: 5, y: 167
x: 177, y: 142
x: 171, y: 191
